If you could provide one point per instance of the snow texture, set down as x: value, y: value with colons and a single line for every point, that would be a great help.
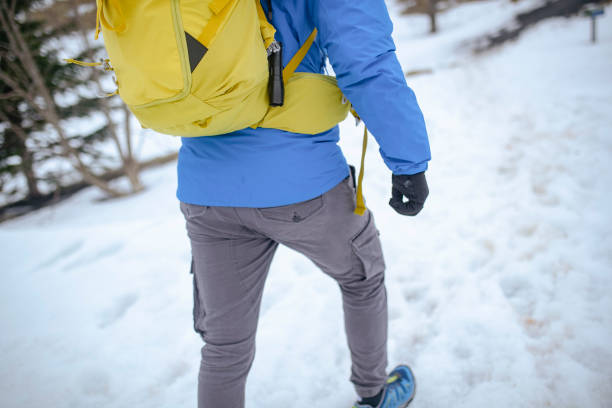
x: 499, y: 291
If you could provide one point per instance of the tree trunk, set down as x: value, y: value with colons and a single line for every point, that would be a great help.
x: 131, y: 165
x: 27, y: 160
x: 433, y: 27
x: 27, y: 168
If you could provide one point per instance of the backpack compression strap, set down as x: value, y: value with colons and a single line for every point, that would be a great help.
x: 299, y: 56
x: 360, y: 207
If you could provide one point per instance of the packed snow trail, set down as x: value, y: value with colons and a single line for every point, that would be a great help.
x: 498, y: 290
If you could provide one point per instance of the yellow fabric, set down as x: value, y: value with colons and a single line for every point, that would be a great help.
x: 287, y: 117
x: 313, y: 104
x: 233, y: 75
x: 194, y: 16
x: 299, y: 56
x: 221, y: 12
x: 267, y: 29
x: 361, y: 208
x: 217, y: 5
x: 149, y: 57
x: 121, y: 24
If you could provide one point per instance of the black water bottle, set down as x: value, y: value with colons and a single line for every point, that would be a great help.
x: 276, y: 87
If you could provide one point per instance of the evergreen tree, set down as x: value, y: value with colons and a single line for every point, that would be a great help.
x: 42, y: 97
x: 15, y: 155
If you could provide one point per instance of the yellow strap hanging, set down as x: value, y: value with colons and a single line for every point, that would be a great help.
x: 299, y: 56
x: 107, y: 67
x: 105, y: 63
x: 82, y: 63
x: 360, y: 207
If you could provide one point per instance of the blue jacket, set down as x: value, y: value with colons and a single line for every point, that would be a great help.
x: 269, y: 167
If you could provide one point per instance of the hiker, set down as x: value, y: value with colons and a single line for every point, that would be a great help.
x: 249, y: 77
x: 244, y: 193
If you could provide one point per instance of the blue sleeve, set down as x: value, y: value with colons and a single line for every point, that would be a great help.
x: 356, y: 35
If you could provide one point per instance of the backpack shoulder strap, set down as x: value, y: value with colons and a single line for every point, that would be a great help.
x: 299, y: 56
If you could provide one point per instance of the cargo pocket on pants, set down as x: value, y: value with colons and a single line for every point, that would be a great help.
x: 368, y: 250
x: 198, y: 312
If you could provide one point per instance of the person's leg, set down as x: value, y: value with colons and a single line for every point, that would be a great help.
x: 230, y: 265
x: 347, y: 248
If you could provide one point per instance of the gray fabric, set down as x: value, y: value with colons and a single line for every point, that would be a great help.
x: 232, y: 249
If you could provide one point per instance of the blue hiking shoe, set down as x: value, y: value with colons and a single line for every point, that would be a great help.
x: 398, y: 391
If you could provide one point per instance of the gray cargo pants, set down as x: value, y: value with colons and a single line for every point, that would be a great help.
x: 232, y: 249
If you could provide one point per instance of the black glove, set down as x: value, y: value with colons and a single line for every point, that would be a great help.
x: 414, y: 187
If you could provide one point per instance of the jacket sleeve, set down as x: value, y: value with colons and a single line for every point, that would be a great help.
x: 356, y: 35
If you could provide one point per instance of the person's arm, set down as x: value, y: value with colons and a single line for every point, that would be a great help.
x: 356, y: 35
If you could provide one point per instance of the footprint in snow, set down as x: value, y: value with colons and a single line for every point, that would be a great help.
x: 519, y: 293
x: 394, y: 313
x: 430, y: 306
x: 94, y: 382
x: 513, y: 286
x: 508, y: 172
x: 176, y: 371
x: 117, y: 310
x: 535, y: 328
x: 462, y: 352
x: 60, y: 255
x: 544, y: 197
x: 414, y: 294
x: 96, y: 255
x: 593, y: 357
x: 527, y: 230
x: 474, y: 376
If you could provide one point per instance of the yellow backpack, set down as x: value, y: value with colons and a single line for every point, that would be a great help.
x: 200, y: 68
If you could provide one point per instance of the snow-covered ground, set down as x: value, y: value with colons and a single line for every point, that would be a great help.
x: 499, y: 291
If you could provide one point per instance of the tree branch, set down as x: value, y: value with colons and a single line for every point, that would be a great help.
x: 16, y: 87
